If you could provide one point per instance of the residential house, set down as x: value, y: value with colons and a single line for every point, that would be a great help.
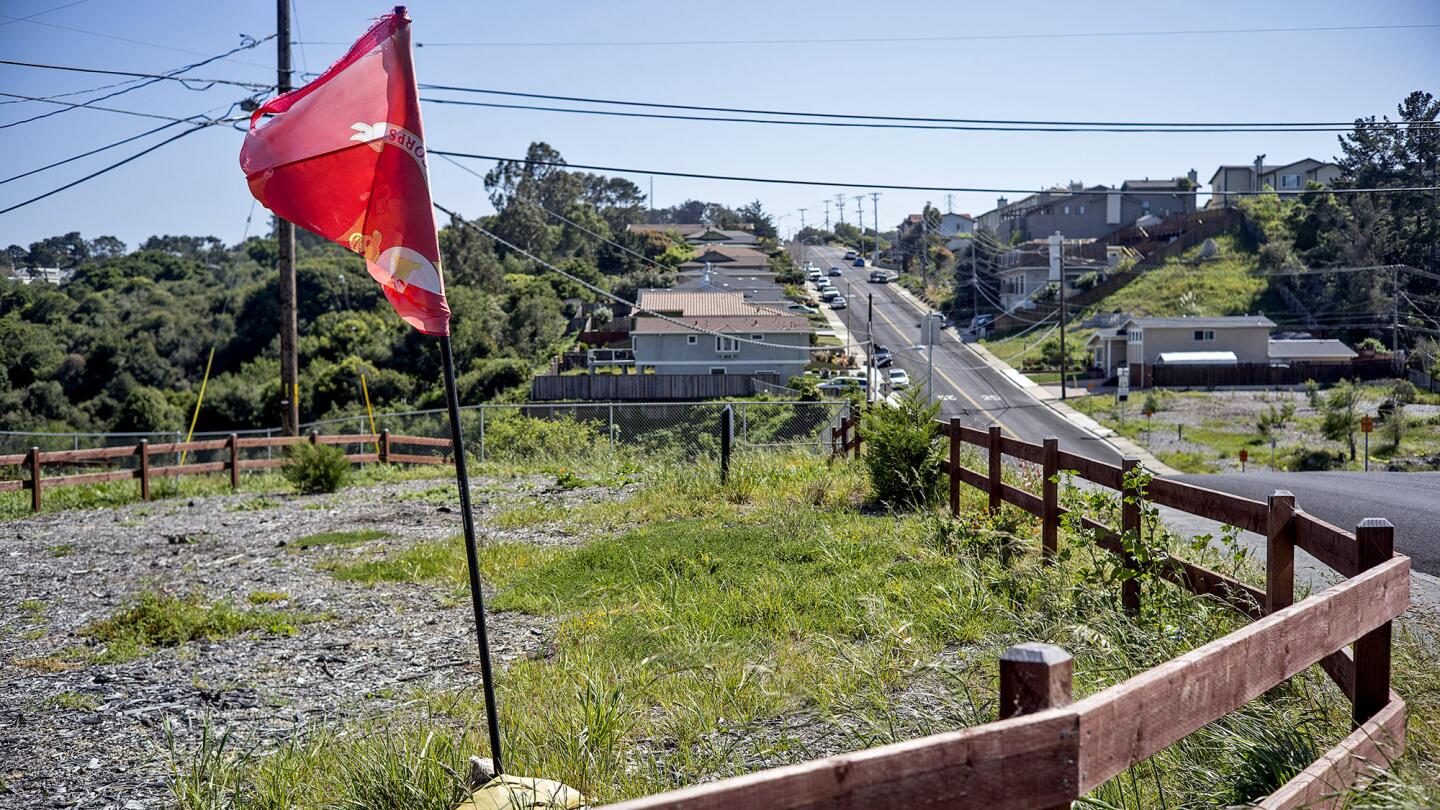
x: 688, y: 345
x: 47, y: 275
x: 699, y: 234
x: 1141, y: 343
x: 1088, y: 212
x: 955, y: 228
x: 1288, y: 179
x: 1024, y: 271
x: 728, y: 257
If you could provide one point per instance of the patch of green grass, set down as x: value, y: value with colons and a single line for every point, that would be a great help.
x: 111, y: 494
x: 253, y: 505
x: 266, y: 597
x: 337, y: 538
x: 443, y: 562
x: 62, y: 550
x: 34, y: 607
x: 436, y: 495
x: 529, y: 515
x: 73, y: 701
x: 1227, y: 285
x: 164, y: 620
x: 1189, y: 462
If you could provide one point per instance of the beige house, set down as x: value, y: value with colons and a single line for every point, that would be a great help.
x: 1140, y: 343
x: 1286, y: 179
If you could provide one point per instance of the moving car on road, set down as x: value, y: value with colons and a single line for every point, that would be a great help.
x: 859, y: 261
x: 899, y: 378
x: 849, y: 254
x: 833, y: 271
x: 838, y: 302
x: 828, y: 294
x: 879, y: 277
x: 883, y: 357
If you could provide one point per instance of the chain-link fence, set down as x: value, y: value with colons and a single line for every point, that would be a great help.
x: 559, y: 432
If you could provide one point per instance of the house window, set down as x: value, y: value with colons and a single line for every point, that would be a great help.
x: 757, y: 337
x: 1204, y: 334
x: 717, y: 370
x: 1289, y: 181
x: 1145, y: 205
x: 1136, y: 336
x: 1067, y: 210
x: 1081, y: 209
x: 726, y: 345
x: 692, y: 339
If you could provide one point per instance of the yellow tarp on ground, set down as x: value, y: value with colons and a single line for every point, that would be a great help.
x: 523, y: 793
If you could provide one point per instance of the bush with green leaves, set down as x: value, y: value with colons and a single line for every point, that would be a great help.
x: 525, y: 438
x: 903, y: 453
x: 315, y: 468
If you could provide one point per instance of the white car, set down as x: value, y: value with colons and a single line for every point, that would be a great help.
x: 899, y: 378
x: 838, y: 302
x: 803, y: 309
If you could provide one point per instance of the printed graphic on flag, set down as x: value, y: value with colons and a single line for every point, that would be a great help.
x: 344, y: 157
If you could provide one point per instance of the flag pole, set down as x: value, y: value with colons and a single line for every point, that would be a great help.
x: 477, y: 599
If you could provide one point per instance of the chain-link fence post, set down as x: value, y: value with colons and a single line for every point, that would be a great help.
x: 611, y: 427
x: 482, y: 434
x: 744, y: 424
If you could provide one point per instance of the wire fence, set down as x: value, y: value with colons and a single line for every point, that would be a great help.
x: 519, y: 433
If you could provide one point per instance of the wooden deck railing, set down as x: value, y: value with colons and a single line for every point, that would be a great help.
x: 144, y: 470
x: 1047, y: 751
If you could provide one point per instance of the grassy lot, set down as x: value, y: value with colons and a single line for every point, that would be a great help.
x: 1204, y: 431
x: 712, y: 629
x: 1189, y: 285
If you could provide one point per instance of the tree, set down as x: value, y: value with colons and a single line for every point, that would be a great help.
x: 1341, y: 414
x: 761, y: 223
x: 59, y: 251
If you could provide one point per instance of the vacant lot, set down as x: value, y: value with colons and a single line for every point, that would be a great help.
x: 653, y: 628
x: 1204, y: 431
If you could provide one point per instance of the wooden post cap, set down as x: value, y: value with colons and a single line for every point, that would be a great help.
x: 1034, y: 652
x: 1034, y: 677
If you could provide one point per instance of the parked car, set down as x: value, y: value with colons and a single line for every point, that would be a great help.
x: 981, y: 321
x: 815, y: 275
x: 842, y: 384
x: 899, y: 378
x: 832, y: 272
x: 804, y: 309
x: 883, y: 357
x: 879, y: 277
x: 838, y: 302
x: 829, y: 294
x: 849, y: 254
x: 859, y: 261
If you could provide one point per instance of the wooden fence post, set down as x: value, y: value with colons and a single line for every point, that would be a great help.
x: 384, y: 449
x: 1375, y: 538
x: 1130, y: 527
x: 234, y: 444
x: 143, y: 451
x: 954, y: 466
x: 995, y: 482
x: 857, y: 436
x: 314, y: 435
x: 1050, y: 498
x: 35, y: 479
x: 1280, y: 551
x: 1035, y: 677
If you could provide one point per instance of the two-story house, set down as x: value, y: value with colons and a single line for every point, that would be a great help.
x: 1089, y: 212
x: 1230, y: 182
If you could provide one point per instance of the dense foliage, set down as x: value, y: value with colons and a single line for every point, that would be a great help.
x: 124, y: 343
x: 904, y: 454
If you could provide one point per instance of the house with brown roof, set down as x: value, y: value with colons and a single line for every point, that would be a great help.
x: 698, y: 234
x: 717, y: 333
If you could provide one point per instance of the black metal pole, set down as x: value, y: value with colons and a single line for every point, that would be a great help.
x: 727, y: 429
x: 472, y: 560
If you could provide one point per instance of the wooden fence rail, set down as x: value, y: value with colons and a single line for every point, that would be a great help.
x: 144, y: 471
x: 1046, y: 751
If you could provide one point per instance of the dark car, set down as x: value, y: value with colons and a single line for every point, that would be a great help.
x: 883, y: 357
x: 859, y: 261
x: 834, y: 271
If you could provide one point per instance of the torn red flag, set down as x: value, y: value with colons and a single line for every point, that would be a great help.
x: 344, y: 157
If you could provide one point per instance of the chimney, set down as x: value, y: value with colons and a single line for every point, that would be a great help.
x: 1001, y: 203
x: 1194, y: 176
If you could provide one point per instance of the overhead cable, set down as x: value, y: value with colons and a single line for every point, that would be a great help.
x: 185, y: 80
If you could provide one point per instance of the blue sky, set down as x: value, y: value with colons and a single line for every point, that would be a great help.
x: 195, y: 185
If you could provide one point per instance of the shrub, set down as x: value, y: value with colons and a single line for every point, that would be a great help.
x: 524, y: 438
x: 1312, y: 459
x: 1312, y: 394
x: 1371, y: 344
x: 315, y: 468
x: 903, y: 453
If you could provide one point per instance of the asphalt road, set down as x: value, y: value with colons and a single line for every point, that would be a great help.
x: 980, y: 395
x: 1408, y: 500
x: 966, y: 386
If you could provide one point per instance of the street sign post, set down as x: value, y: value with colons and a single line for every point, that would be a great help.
x: 1244, y: 457
x: 1366, y: 426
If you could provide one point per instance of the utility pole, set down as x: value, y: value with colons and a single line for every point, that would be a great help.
x: 870, y: 382
x: 827, y: 214
x: 802, y: 218
x: 860, y: 220
x: 949, y: 203
x: 1395, y: 319
x: 285, y: 234
x: 924, y: 247
x: 840, y: 207
x: 651, y: 198
x: 875, y: 221
x: 974, y: 280
x: 1057, y: 270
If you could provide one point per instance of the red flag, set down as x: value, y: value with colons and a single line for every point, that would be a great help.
x: 344, y: 157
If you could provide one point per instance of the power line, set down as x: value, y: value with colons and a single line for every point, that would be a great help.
x: 1184, y: 125
x: 112, y: 166
x: 886, y: 186
x: 244, y: 45
x: 90, y: 106
x: 159, y: 76
x: 29, y: 17
x: 12, y: 18
x: 873, y: 124
x: 829, y: 41
x: 91, y: 152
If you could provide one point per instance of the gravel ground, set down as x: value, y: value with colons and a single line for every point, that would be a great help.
x: 1237, y: 411
x: 93, y: 735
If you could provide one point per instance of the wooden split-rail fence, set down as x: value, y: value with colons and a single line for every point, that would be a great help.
x: 1046, y: 750
x: 34, y: 461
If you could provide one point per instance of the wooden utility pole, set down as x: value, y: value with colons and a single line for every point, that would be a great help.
x: 1057, y: 269
x: 285, y: 234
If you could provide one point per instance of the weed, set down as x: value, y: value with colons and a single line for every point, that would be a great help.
x: 253, y: 505
x: 62, y: 550
x: 73, y: 701
x: 266, y: 597
x: 162, y: 620
x: 315, y: 468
